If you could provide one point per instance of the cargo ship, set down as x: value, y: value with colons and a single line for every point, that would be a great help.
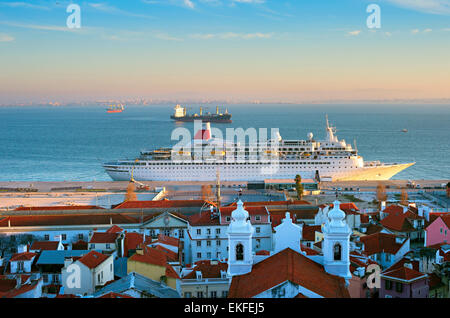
x: 116, y: 108
x: 180, y: 115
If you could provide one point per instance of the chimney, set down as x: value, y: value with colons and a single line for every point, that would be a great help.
x: 18, y: 281
x: 140, y: 250
x: 68, y: 261
x: 408, y: 265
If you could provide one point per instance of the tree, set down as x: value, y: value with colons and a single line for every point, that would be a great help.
x: 381, y: 192
x: 404, y: 197
x: 131, y: 195
x: 207, y: 193
x: 299, y: 186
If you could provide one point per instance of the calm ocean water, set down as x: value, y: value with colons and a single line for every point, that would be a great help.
x: 71, y: 143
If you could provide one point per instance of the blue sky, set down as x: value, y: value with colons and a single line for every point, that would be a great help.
x: 252, y: 49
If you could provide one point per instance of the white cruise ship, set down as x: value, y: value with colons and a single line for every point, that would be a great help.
x: 206, y: 157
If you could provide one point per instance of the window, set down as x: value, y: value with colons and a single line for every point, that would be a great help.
x: 239, y: 252
x: 181, y: 233
x: 199, y: 255
x: 64, y: 237
x: 199, y: 294
x: 398, y: 287
x: 218, y: 242
x: 258, y: 230
x: 46, y: 237
x: 208, y: 255
x: 199, y: 243
x: 108, y: 246
x: 224, y: 294
x: 258, y: 218
x: 208, y: 231
x: 213, y: 294
x: 388, y: 285
x: 167, y: 232
x: 337, y: 249
x: 80, y: 236
x: 208, y: 243
x: 45, y: 276
x: 228, y: 219
x: 20, y: 266
x: 217, y: 231
x: 92, y: 246
x: 199, y: 231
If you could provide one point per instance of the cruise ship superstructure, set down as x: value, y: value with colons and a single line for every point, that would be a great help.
x: 205, y: 157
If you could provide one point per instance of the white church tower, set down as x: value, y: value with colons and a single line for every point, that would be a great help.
x: 336, y: 243
x: 240, y: 232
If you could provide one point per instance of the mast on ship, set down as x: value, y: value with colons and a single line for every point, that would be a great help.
x: 330, y: 131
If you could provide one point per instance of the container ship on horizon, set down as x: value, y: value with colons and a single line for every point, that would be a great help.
x: 330, y: 159
x: 180, y: 115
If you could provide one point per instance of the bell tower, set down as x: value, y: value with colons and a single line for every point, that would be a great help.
x: 336, y: 243
x: 240, y: 232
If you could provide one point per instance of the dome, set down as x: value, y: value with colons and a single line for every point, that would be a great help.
x: 240, y: 214
x: 336, y: 214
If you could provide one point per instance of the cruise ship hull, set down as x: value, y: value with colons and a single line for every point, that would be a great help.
x: 248, y: 172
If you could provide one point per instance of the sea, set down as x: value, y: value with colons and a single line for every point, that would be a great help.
x: 70, y: 143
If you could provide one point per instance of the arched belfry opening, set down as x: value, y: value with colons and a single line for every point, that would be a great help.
x: 239, y: 252
x: 337, y: 250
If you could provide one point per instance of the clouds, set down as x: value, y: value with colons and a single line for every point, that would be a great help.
x: 6, y: 38
x: 354, y: 33
x: 427, y: 6
x: 232, y: 35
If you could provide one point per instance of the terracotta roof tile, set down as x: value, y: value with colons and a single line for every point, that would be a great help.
x: 26, y: 256
x: 59, y: 208
x: 44, y: 246
x: 287, y: 265
x: 207, y: 269
x: 160, y: 204
x: 103, y: 238
x: 379, y: 242
x: 93, y: 259
x: 404, y: 273
x: 309, y: 232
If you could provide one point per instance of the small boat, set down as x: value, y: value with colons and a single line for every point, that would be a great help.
x: 405, y: 130
x: 116, y: 108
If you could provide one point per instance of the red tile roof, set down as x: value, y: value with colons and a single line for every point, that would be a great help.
x: 26, y: 256
x: 93, y: 259
x: 133, y: 240
x: 21, y: 290
x: 446, y: 220
x: 103, y: 238
x: 404, y: 273
x: 397, y: 221
x: 272, y: 203
x: 115, y: 295
x: 207, y: 269
x: 309, y: 232
x: 66, y: 219
x: 308, y: 251
x: 203, y: 218
x: 114, y: 229
x: 347, y: 207
x: 287, y: 265
x: 379, y: 242
x: 160, y: 204
x: 58, y: 208
x: 164, y: 239
x: 44, y: 246
x: 157, y: 256
x: 80, y: 245
x: 252, y: 210
x: 262, y: 252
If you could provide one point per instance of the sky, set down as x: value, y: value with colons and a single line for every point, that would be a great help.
x: 265, y: 50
